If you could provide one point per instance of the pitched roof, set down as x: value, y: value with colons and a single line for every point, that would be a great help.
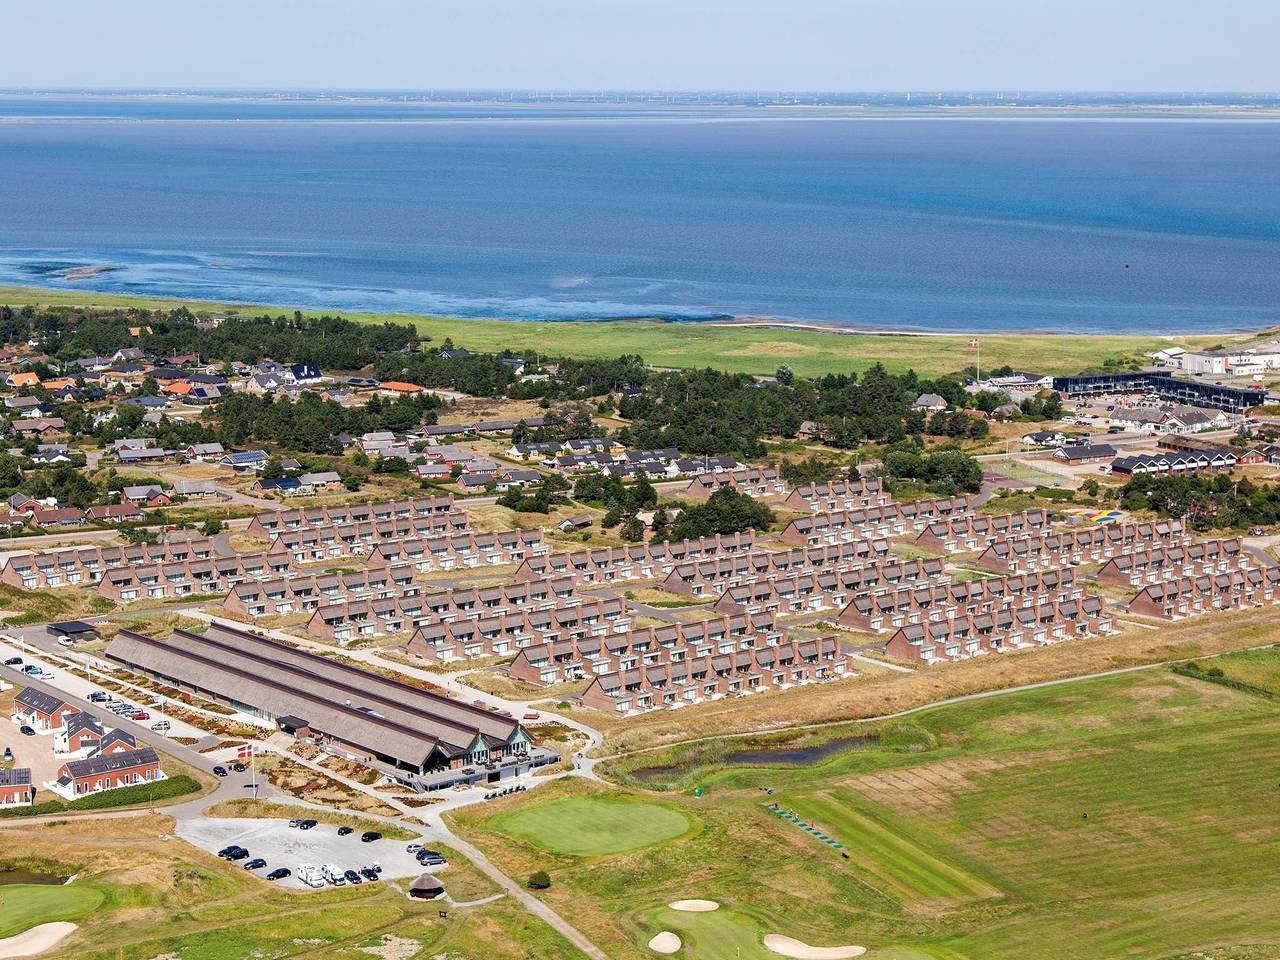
x: 112, y: 763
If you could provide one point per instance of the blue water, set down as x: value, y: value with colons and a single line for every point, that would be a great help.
x: 569, y: 212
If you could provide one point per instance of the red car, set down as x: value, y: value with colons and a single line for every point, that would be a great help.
x: 140, y: 715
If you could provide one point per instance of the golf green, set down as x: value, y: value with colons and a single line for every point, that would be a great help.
x: 593, y: 826
x: 23, y: 905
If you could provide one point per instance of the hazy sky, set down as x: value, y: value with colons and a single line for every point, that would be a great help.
x: 649, y: 44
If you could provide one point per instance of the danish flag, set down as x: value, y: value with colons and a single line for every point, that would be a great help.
x: 973, y: 342
x: 244, y: 751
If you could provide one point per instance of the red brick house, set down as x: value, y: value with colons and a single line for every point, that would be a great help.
x: 79, y: 778
x: 115, y: 513
x: 15, y: 788
x: 81, y: 732
x: 115, y: 741
x: 41, y: 710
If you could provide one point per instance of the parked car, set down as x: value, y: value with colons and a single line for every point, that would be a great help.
x: 295, y: 822
x: 307, y: 824
x: 221, y: 771
x: 279, y: 873
x: 13, y: 662
x: 99, y: 696
x: 343, y: 831
x: 8, y: 754
x: 412, y: 848
x: 429, y: 858
x: 351, y: 876
x: 240, y: 854
x: 140, y: 715
x: 65, y: 641
x: 257, y: 863
x: 161, y: 726
x: 26, y: 731
x: 31, y: 670
x: 369, y: 873
x: 227, y: 851
x: 239, y: 767
x: 369, y: 836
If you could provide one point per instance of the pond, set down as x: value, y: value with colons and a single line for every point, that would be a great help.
x: 10, y: 877
x: 782, y: 754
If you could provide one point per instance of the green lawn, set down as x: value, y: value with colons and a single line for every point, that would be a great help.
x: 593, y: 826
x: 888, y: 856
x: 23, y: 906
x: 1131, y: 816
x: 758, y: 350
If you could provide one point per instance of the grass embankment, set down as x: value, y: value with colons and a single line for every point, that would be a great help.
x: 746, y: 349
x: 1126, y: 816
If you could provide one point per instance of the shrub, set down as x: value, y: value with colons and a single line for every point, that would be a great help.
x: 908, y: 738
x: 538, y: 880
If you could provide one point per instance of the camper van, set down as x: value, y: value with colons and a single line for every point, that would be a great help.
x: 310, y: 874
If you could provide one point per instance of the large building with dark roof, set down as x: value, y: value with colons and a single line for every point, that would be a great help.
x: 349, y: 710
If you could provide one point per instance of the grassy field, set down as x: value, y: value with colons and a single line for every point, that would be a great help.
x: 1257, y: 668
x: 1127, y: 816
x: 758, y: 350
x: 26, y: 905
x: 594, y: 826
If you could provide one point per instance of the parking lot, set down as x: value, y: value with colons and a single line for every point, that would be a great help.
x: 284, y: 846
x: 34, y: 752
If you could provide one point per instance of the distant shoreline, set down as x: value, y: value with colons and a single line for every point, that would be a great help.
x: 71, y: 296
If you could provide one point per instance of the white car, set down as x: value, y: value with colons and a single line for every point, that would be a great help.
x: 65, y: 641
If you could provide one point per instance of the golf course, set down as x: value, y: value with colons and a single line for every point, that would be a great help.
x: 1130, y: 815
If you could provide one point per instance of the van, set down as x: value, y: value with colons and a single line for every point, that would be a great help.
x: 310, y: 874
x: 334, y: 874
x: 160, y: 726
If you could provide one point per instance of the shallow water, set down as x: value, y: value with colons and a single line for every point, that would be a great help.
x: 924, y: 223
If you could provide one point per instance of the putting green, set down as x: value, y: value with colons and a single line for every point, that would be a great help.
x: 23, y: 905
x: 593, y: 826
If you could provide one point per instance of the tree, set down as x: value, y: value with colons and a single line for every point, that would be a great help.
x: 633, y: 530
x: 211, y: 527
x: 785, y: 376
x: 659, y: 525
x: 612, y: 517
x: 726, y: 511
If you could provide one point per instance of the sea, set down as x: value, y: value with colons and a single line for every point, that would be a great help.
x: 689, y: 213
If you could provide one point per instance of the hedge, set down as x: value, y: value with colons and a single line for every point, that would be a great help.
x: 35, y: 810
x: 138, y: 793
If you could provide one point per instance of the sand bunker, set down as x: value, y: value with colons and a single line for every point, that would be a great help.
x: 788, y: 947
x: 665, y: 942
x: 694, y: 906
x: 36, y: 940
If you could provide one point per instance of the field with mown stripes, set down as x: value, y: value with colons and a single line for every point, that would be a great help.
x: 1130, y: 816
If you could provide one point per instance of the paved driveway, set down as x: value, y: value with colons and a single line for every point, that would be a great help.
x: 284, y: 846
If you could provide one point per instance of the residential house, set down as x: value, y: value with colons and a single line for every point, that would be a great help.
x: 41, y: 711
x: 79, y: 778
